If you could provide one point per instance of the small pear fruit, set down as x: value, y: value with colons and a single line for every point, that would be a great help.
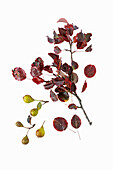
x: 34, y: 112
x: 19, y: 124
x: 40, y: 132
x: 25, y: 140
x: 28, y: 99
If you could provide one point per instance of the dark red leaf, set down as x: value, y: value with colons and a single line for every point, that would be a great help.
x: 73, y: 87
x: 48, y: 85
x: 48, y: 69
x: 72, y: 106
x: 75, y: 27
x: 58, y: 81
x: 88, y: 37
x: 19, y: 74
x: 75, y: 39
x: 68, y: 83
x: 39, y: 63
x: 63, y: 32
x: 54, y: 56
x: 53, y: 96
x: 89, y: 49
x: 63, y: 96
x: 74, y: 77
x: 70, y: 29
x: 50, y: 40
x: 66, y: 68
x: 76, y: 122
x: 62, y: 20
x: 90, y: 71
x: 35, y: 71
x: 60, y: 123
x: 84, y: 86
x: 57, y: 38
x: 57, y: 50
x: 75, y: 65
x: 80, y: 37
x: 60, y: 89
x: 37, y: 80
x: 81, y: 45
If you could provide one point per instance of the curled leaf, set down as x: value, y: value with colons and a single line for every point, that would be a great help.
x: 60, y: 123
x: 76, y: 122
x: 19, y: 74
x: 72, y: 106
x: 84, y: 86
x: 29, y: 119
x: 37, y: 80
x: 58, y: 81
x: 53, y: 96
x: 62, y: 20
x: 90, y: 71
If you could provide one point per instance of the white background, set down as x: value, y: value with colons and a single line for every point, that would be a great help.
x: 24, y: 25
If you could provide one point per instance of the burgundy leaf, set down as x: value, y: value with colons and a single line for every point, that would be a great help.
x: 57, y: 50
x: 35, y: 71
x: 39, y: 63
x: 73, y: 87
x: 60, y: 123
x: 63, y: 96
x: 48, y: 69
x: 75, y: 39
x: 58, y: 39
x: 89, y: 49
x: 90, y: 71
x: 74, y: 77
x: 58, y: 81
x: 53, y: 96
x: 75, y: 27
x: 76, y: 122
x: 60, y: 89
x: 62, y: 20
x: 62, y: 31
x: 75, y: 65
x: 50, y: 40
x: 80, y: 37
x: 72, y: 106
x: 19, y: 74
x: 68, y: 83
x: 48, y: 85
x: 66, y: 68
x: 84, y: 86
x: 37, y: 80
x: 70, y: 29
x: 88, y: 37
x: 54, y: 56
x: 81, y: 45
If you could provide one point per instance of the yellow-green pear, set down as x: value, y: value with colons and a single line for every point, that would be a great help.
x: 40, y: 132
x: 19, y: 124
x: 34, y: 112
x: 28, y: 99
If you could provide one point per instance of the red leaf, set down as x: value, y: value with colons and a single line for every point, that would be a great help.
x: 89, y: 49
x: 57, y: 50
x: 58, y: 81
x: 70, y: 29
x: 53, y: 96
x: 54, y: 56
x: 50, y: 40
x: 88, y: 37
x: 57, y: 38
x: 60, y: 89
x: 75, y: 39
x: 48, y: 85
x: 64, y: 34
x: 35, y: 71
x: 90, y: 71
x: 39, y: 63
x: 76, y: 122
x: 72, y: 106
x: 62, y: 20
x: 66, y: 68
x: 74, y: 77
x: 73, y: 87
x: 74, y: 65
x: 84, y: 86
x: 19, y: 74
x: 37, y: 80
x: 48, y: 69
x: 68, y: 83
x: 63, y: 96
x: 60, y: 123
x: 81, y: 45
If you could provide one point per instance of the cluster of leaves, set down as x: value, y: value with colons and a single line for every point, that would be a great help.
x: 64, y: 78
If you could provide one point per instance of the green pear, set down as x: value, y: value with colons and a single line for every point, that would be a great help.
x: 34, y: 112
x: 25, y: 140
x: 28, y: 99
x: 40, y: 132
